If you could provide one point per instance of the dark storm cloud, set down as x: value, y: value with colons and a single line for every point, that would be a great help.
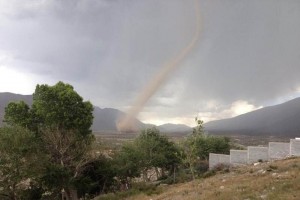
x: 250, y: 51
x: 110, y: 49
x: 104, y: 43
x: 61, y: 38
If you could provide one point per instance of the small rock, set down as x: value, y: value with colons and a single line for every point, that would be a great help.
x: 274, y: 174
x: 261, y: 171
x: 273, y: 188
x: 223, y: 180
x: 222, y: 187
x: 256, y: 163
x: 264, y: 196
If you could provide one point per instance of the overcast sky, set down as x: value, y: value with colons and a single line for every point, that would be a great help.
x: 248, y: 55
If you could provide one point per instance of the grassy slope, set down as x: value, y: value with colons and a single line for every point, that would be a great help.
x: 272, y: 180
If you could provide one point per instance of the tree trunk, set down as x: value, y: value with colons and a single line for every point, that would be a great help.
x: 145, y: 175
x: 157, y: 173
x: 174, y: 174
x: 13, y: 192
x: 69, y: 194
x: 192, y: 171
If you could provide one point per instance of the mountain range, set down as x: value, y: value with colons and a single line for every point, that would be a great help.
x: 281, y: 119
x: 104, y: 119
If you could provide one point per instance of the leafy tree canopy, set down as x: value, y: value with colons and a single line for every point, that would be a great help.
x: 17, y: 113
x: 149, y: 150
x: 198, y: 145
x: 61, y: 121
x: 20, y: 162
x: 55, y: 107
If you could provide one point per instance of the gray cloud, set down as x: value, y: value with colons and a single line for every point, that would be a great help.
x: 252, y: 51
x: 110, y: 49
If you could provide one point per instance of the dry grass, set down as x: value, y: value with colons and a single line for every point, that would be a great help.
x: 272, y: 180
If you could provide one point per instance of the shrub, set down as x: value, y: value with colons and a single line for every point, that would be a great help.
x: 181, y: 176
x: 222, y: 167
x: 209, y: 174
x: 136, y: 189
x: 202, y: 167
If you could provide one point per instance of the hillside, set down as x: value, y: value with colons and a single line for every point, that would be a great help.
x: 282, y: 119
x: 271, y: 180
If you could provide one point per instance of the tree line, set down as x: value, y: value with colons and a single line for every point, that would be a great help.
x: 47, y: 149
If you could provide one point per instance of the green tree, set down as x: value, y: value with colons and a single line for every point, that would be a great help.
x: 56, y: 107
x: 149, y: 151
x: 20, y: 163
x: 61, y: 107
x: 197, y: 146
x: 212, y: 144
x: 68, y: 153
x: 127, y: 163
x: 98, y: 177
x: 17, y: 113
x: 199, y: 129
x: 61, y: 120
x: 189, y: 153
x: 158, y: 150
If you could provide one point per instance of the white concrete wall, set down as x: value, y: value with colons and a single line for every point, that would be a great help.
x: 279, y: 150
x: 295, y: 147
x: 258, y: 153
x: 276, y: 150
x: 238, y: 157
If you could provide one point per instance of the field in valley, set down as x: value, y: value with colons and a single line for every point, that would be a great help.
x: 116, y: 139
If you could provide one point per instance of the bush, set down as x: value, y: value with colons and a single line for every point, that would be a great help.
x: 181, y: 176
x: 222, y: 167
x: 209, y: 174
x: 272, y: 168
x: 202, y: 167
x: 197, y: 146
x: 136, y: 189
